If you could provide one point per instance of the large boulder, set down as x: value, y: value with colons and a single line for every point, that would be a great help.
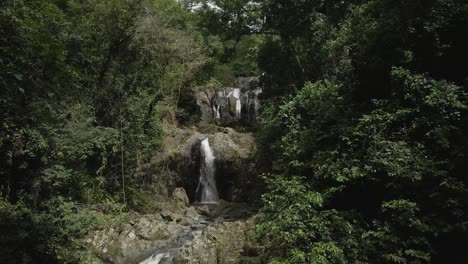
x: 205, y: 100
x: 235, y: 163
x: 151, y: 230
x: 127, y: 243
x: 180, y: 197
x: 219, y: 243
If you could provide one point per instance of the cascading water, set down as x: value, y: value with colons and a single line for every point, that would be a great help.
x: 207, y: 191
x: 233, y: 105
x: 159, y: 258
x: 216, y: 111
x: 218, y: 115
x: 236, y: 93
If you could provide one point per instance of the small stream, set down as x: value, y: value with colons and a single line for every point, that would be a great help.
x: 165, y: 255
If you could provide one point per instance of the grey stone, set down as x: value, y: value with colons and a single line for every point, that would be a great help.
x: 180, y: 197
x: 186, y: 221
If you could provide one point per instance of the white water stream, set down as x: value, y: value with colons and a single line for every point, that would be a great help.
x: 206, y: 190
x: 160, y: 258
x: 237, y: 93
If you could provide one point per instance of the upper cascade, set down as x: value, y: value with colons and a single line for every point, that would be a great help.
x: 240, y: 104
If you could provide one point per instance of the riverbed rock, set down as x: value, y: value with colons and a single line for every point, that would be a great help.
x: 117, y: 247
x: 130, y: 243
x: 186, y: 221
x: 188, y: 237
x: 191, y: 212
x: 151, y: 230
x: 218, y: 243
x: 171, y: 216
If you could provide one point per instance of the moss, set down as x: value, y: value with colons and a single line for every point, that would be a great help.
x: 113, y: 251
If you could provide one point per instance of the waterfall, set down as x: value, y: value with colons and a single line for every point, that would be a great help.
x: 216, y: 112
x: 236, y: 93
x: 206, y: 190
x: 218, y: 115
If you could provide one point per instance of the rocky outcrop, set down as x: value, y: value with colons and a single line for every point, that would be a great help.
x: 125, y: 244
x: 234, y: 152
x: 210, y: 234
x: 231, y: 105
x: 180, y: 197
x: 219, y: 243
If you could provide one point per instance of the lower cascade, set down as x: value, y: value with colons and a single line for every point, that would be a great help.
x: 160, y: 258
x: 206, y: 190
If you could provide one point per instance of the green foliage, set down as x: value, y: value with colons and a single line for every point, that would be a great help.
x: 231, y: 31
x: 16, y: 234
x: 71, y: 223
x: 401, y: 152
x: 364, y: 100
x: 384, y: 146
x: 297, y: 229
x: 312, y: 118
x: 82, y: 86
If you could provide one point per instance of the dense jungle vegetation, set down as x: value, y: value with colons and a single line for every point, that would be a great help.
x: 362, y: 140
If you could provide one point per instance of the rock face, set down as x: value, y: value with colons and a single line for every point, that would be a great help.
x: 236, y: 175
x: 231, y: 105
